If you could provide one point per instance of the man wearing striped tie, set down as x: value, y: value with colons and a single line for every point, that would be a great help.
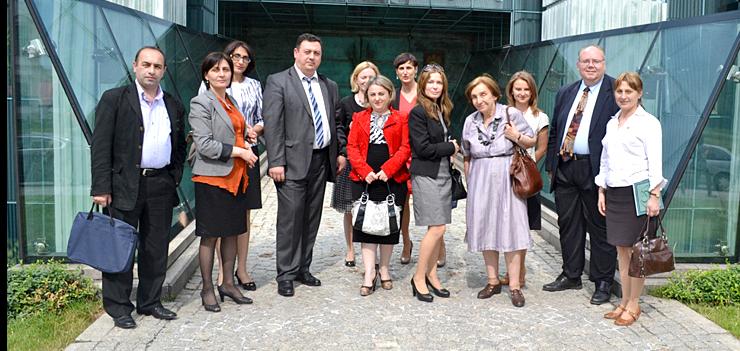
x: 302, y: 141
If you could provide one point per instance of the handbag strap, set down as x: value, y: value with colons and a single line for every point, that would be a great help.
x: 517, y: 148
x: 646, y: 229
x: 95, y: 207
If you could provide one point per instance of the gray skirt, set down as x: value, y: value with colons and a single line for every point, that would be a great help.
x: 433, y: 197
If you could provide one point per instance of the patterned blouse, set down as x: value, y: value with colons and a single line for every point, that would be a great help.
x: 377, y: 121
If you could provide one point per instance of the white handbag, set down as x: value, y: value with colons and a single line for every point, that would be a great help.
x: 379, y: 218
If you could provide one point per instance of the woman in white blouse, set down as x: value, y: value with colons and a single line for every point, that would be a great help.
x: 521, y: 92
x: 248, y: 95
x: 632, y: 153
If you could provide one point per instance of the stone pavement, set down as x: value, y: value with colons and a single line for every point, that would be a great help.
x: 335, y: 317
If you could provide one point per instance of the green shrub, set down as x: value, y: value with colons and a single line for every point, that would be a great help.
x: 719, y: 287
x: 46, y: 288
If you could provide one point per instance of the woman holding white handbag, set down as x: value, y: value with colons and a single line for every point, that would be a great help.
x: 377, y: 148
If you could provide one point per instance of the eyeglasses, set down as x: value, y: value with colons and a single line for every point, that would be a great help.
x: 433, y: 67
x: 237, y: 57
x: 592, y: 62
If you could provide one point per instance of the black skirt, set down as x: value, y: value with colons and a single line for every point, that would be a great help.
x: 534, y: 212
x: 254, y: 189
x: 377, y: 155
x: 218, y: 213
x: 623, y: 226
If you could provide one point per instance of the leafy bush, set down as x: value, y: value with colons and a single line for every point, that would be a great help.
x: 46, y: 288
x: 719, y: 287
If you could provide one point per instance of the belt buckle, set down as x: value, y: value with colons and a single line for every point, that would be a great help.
x: 145, y: 172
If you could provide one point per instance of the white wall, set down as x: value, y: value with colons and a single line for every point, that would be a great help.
x: 572, y: 17
x: 169, y: 10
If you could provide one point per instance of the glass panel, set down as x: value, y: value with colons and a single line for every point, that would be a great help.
x: 539, y: 60
x: 53, y: 154
x: 86, y: 50
x: 626, y: 52
x: 679, y: 76
x: 514, y: 63
x: 702, y: 217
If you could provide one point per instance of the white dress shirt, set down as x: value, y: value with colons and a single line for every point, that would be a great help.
x: 157, y: 147
x: 632, y: 152
x: 316, y: 90
x: 536, y: 123
x: 580, y: 145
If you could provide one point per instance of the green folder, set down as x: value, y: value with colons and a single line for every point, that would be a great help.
x: 641, y: 192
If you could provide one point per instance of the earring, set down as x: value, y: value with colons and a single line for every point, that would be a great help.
x: 398, y: 78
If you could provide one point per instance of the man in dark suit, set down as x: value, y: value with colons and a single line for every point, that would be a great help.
x: 582, y: 111
x: 302, y: 141
x: 138, y: 149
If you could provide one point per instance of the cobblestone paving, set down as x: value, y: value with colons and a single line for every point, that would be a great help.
x: 335, y: 317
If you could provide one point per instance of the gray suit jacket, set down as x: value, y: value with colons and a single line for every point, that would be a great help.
x: 289, y: 133
x: 213, y: 136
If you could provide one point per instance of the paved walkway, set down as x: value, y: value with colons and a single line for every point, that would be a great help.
x: 335, y: 317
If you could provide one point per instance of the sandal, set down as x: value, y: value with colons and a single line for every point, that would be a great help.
x: 622, y: 322
x: 616, y: 313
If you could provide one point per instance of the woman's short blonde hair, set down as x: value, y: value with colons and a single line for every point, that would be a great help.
x: 384, y: 83
x: 486, y: 80
x: 359, y: 68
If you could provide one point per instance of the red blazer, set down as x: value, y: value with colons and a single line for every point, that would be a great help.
x: 396, y: 132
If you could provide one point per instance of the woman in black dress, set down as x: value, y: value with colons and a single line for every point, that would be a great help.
x: 341, y: 198
x: 378, y: 147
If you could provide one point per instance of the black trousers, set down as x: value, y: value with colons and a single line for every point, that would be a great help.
x: 299, y: 214
x: 576, y: 198
x: 152, y: 215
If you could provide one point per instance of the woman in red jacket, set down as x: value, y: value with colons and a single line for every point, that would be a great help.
x: 378, y: 147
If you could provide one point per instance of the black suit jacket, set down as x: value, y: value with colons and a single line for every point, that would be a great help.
x: 117, y: 141
x: 428, y: 143
x: 603, y: 110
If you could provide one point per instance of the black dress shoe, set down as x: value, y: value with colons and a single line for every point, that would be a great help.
x: 602, y: 294
x: 239, y: 300
x: 285, y: 288
x: 308, y: 279
x: 421, y: 297
x: 159, y: 312
x: 251, y: 286
x: 563, y: 283
x: 124, y: 322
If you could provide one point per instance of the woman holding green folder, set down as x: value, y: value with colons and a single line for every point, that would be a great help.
x: 632, y: 154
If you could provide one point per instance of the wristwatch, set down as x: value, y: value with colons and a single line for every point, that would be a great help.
x: 656, y: 195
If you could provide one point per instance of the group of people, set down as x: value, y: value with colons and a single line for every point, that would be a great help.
x: 375, y: 144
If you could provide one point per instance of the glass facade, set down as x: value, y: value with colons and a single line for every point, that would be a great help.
x: 66, y: 54
x: 689, y: 69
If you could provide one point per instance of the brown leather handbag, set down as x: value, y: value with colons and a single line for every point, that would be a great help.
x: 651, y: 256
x: 526, y: 180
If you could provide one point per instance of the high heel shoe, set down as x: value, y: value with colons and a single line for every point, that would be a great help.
x: 251, y: 286
x: 442, y: 292
x: 240, y: 300
x: 421, y: 297
x: 407, y: 260
x: 210, y: 308
x: 369, y: 290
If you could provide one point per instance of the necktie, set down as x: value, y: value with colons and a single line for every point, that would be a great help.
x: 566, y: 151
x: 317, y: 123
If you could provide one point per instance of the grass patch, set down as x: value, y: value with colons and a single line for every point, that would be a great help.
x: 727, y: 317
x: 715, y: 294
x: 52, y: 331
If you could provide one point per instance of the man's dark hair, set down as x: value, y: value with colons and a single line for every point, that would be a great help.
x: 240, y: 44
x: 136, y: 58
x: 211, y: 60
x: 306, y: 37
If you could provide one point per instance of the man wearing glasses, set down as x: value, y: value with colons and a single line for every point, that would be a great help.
x: 582, y: 110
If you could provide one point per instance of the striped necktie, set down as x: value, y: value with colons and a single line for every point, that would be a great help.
x: 317, y: 123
